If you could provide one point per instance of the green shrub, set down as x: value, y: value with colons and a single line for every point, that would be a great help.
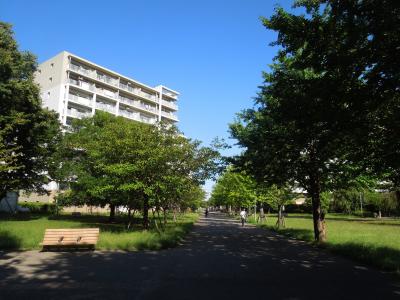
x: 39, y: 207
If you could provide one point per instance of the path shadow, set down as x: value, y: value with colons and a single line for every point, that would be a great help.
x: 218, y: 260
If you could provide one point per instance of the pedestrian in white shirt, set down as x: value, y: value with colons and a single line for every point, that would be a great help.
x: 243, y: 216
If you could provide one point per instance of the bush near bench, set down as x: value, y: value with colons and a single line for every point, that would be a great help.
x: 39, y: 207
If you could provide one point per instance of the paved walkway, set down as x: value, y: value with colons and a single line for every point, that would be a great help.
x: 219, y: 260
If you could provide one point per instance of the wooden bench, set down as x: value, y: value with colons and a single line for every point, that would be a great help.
x: 70, y: 238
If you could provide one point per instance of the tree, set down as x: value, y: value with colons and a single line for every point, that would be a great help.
x: 277, y: 197
x: 234, y: 190
x: 353, y: 44
x: 28, y: 133
x: 292, y: 137
x: 327, y: 92
x: 117, y: 162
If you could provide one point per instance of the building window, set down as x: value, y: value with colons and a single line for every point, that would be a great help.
x: 39, y: 71
x: 51, y: 79
x: 52, y: 65
x: 48, y: 95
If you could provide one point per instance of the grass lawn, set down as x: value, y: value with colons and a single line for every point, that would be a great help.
x: 26, y: 232
x: 372, y: 241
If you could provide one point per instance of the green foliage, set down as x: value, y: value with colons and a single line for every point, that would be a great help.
x: 328, y: 109
x: 234, y: 189
x: 39, y: 207
x: 276, y: 196
x: 28, y: 133
x: 108, y: 160
x: 350, y: 201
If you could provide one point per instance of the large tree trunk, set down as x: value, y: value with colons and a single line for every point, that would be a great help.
x: 318, y: 214
x: 146, y: 213
x: 112, y: 213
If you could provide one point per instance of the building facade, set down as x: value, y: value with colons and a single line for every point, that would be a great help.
x: 75, y: 88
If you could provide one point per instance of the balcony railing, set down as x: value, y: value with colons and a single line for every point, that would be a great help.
x: 128, y: 114
x: 80, y: 69
x: 77, y: 113
x: 80, y: 100
x: 137, y: 91
x: 128, y: 88
x: 172, y: 95
x: 169, y: 104
x: 148, y: 120
x: 169, y: 115
x: 82, y: 84
x: 138, y: 104
x: 107, y: 79
x: 148, y: 107
x: 107, y: 93
x: 107, y: 107
x: 148, y: 96
x: 129, y: 101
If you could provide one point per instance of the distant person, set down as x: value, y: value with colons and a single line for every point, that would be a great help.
x: 243, y: 216
x: 206, y: 213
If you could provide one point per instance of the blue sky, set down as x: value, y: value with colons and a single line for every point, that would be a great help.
x: 212, y: 52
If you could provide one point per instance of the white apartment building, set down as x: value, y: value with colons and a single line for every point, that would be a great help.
x: 75, y: 88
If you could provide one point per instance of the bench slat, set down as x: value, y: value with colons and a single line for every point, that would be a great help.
x: 70, y: 231
x: 69, y: 234
x: 73, y: 229
x: 69, y: 237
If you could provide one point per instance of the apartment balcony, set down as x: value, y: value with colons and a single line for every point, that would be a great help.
x: 170, y: 94
x: 82, y: 84
x: 148, y: 120
x: 106, y: 107
x: 127, y: 87
x: 169, y: 104
x: 169, y: 115
x: 80, y: 100
x: 148, y: 107
x: 129, y: 115
x: 138, y: 104
x: 94, y: 74
x: 82, y: 70
x: 148, y: 96
x: 128, y: 101
x: 107, y: 79
x: 78, y: 114
x: 138, y: 92
x: 107, y: 93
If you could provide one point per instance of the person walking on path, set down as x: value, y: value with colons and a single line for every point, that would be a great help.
x: 243, y: 216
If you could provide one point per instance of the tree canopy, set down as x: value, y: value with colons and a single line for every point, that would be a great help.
x: 326, y: 112
x: 28, y: 133
x: 118, y: 162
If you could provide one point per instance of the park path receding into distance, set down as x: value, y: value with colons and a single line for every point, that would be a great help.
x: 218, y: 260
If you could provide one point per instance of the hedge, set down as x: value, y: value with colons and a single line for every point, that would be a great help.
x: 39, y: 207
